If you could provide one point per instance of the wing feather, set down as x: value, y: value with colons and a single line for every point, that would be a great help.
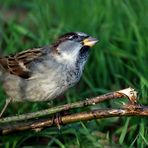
x: 19, y: 64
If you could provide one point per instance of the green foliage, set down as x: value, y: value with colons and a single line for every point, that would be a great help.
x: 118, y: 61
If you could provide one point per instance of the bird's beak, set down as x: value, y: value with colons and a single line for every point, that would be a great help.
x: 90, y: 41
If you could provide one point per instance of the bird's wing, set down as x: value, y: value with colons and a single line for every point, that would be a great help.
x: 19, y: 64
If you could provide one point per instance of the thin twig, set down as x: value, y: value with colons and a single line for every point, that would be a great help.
x: 131, y: 110
x: 87, y: 102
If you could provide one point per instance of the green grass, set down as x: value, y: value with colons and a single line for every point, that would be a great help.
x: 118, y: 61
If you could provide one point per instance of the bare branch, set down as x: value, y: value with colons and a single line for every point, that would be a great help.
x: 128, y: 92
x: 130, y: 110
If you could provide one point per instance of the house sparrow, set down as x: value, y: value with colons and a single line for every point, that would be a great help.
x: 42, y: 74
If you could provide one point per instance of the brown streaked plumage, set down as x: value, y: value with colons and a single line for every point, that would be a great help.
x: 19, y: 64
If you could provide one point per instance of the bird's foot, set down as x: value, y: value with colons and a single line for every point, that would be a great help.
x: 8, y: 101
x: 57, y: 120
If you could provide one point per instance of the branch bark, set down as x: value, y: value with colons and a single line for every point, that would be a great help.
x: 39, y: 124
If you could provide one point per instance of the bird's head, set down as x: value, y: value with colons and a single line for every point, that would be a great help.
x: 73, y: 47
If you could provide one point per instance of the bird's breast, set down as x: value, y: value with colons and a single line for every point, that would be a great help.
x: 51, y: 84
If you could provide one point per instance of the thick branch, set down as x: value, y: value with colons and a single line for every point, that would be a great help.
x: 131, y: 110
x: 128, y: 92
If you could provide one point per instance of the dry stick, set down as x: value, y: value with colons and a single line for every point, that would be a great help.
x: 131, y: 110
x: 128, y: 92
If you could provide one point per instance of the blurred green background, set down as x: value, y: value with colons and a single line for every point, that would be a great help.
x: 118, y: 61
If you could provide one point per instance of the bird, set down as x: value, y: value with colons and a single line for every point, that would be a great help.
x: 42, y: 74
